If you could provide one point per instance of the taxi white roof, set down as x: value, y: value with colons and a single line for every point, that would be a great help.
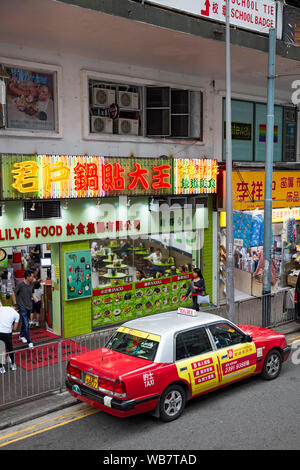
x: 170, y: 322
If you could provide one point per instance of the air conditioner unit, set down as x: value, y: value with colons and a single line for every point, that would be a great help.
x: 127, y: 100
x: 103, y: 97
x: 128, y: 126
x: 103, y: 125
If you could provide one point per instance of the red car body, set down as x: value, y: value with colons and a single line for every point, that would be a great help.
x: 123, y: 385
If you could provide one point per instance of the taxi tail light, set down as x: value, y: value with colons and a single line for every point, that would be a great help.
x: 116, y: 388
x: 120, y: 389
x: 106, y: 384
x: 73, y: 371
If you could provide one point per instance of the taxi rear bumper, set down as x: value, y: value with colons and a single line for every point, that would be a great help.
x: 121, y: 406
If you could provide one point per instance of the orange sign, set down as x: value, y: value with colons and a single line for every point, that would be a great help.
x: 248, y: 189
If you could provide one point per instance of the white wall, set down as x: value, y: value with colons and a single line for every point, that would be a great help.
x: 72, y: 141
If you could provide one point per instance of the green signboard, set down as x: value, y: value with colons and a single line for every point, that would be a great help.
x: 125, y: 302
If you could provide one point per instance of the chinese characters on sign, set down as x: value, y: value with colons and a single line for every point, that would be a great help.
x: 195, y: 176
x: 256, y: 15
x: 249, y: 193
x: 67, y: 176
x: 69, y: 230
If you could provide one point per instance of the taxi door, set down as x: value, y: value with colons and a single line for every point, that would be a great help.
x: 236, y: 358
x: 196, y: 361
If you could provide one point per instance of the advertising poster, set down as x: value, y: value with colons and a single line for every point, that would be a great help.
x: 3, y: 258
x: 78, y: 274
x: 30, y: 100
x: 129, y: 301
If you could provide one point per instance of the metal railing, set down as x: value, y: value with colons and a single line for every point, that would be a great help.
x: 250, y: 311
x: 42, y: 370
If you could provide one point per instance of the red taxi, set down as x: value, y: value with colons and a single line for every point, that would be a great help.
x: 156, y: 364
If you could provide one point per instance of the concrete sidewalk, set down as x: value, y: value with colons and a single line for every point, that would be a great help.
x: 39, y: 407
x: 35, y: 408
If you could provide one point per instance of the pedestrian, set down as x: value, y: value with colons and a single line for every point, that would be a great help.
x: 197, y: 287
x: 23, y: 295
x: 9, y: 319
x: 36, y: 306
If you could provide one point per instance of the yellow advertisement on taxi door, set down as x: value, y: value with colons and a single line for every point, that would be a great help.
x: 201, y: 372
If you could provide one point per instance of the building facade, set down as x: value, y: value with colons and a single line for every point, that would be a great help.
x: 127, y: 81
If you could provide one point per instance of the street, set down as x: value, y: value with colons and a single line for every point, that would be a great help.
x: 251, y: 414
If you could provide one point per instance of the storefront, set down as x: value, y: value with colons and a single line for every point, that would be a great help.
x: 118, y: 239
x: 248, y: 230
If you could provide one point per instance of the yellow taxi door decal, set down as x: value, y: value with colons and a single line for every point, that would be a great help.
x: 202, y: 372
x: 237, y: 361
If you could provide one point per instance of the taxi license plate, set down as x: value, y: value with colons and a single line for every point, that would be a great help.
x: 91, y: 381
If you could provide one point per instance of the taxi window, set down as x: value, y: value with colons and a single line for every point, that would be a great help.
x: 192, y: 343
x: 225, y: 335
x: 133, y: 345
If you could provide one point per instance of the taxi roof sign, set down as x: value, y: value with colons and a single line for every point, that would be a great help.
x: 187, y: 311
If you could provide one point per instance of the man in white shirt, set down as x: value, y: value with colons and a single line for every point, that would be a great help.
x: 9, y: 319
x: 154, y: 259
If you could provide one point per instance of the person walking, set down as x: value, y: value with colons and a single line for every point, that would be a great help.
x: 197, y: 287
x: 36, y: 306
x: 23, y: 295
x: 9, y: 319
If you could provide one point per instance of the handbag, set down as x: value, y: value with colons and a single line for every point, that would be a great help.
x: 203, y: 299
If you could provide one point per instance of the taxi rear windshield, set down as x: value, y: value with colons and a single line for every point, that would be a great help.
x: 133, y: 345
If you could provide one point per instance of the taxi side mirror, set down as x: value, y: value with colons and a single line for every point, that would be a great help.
x: 247, y: 339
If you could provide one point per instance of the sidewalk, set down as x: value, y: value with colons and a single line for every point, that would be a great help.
x: 33, y: 409
x: 19, y: 414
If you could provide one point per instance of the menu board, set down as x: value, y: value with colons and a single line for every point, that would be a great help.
x: 78, y: 272
x: 129, y: 301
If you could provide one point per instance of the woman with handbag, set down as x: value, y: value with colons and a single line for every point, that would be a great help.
x: 197, y: 288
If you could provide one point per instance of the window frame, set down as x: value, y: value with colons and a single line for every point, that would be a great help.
x: 189, y: 330
x: 56, y: 70
x: 221, y: 323
x: 86, y: 75
x: 254, y: 101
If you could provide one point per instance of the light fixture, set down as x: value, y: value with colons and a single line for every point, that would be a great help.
x: 3, y: 208
x: 32, y: 208
x: 65, y: 205
x: 128, y: 203
x: 98, y: 203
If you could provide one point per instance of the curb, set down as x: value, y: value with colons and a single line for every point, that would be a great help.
x: 35, y: 409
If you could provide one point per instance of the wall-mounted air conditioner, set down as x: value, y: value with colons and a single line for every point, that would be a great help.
x: 128, y: 126
x: 102, y: 125
x: 127, y: 100
x: 103, y: 97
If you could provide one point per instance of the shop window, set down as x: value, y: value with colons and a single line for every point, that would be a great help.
x: 42, y: 210
x: 192, y: 343
x: 31, y: 98
x: 289, y: 134
x: 249, y: 126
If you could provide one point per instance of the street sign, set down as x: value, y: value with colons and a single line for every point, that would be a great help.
x: 256, y: 15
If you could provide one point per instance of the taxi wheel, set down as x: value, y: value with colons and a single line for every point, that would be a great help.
x: 172, y: 403
x: 272, y: 365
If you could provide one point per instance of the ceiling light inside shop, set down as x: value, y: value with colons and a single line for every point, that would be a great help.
x: 32, y: 208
